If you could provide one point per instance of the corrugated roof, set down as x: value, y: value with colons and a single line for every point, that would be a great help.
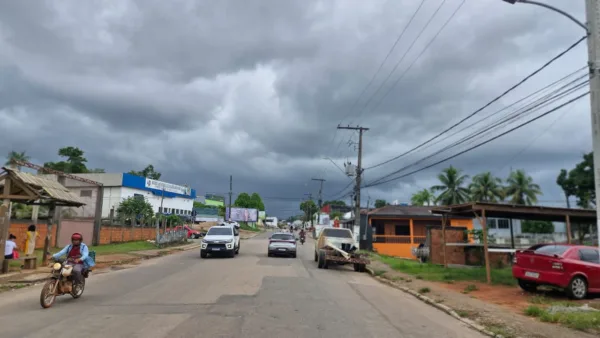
x: 45, y: 188
x: 403, y: 210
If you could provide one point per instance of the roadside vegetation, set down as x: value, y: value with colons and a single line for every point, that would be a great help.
x: 436, y: 273
x: 588, y: 321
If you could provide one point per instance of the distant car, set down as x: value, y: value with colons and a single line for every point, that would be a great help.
x: 574, y: 268
x: 282, y: 244
x: 220, y: 240
x: 191, y: 233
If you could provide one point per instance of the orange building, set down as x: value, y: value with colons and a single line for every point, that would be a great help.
x: 397, y: 229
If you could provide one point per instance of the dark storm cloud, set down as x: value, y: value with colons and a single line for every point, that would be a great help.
x: 205, y: 89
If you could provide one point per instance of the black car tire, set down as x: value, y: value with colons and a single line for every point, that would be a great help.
x: 203, y: 254
x: 527, y: 285
x: 316, y: 257
x: 578, y: 288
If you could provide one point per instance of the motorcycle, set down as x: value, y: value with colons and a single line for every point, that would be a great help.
x: 61, y: 283
x: 302, y: 239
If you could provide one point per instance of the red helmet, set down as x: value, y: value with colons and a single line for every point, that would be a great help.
x: 76, y: 237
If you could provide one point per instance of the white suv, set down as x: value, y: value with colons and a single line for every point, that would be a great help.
x: 221, y: 240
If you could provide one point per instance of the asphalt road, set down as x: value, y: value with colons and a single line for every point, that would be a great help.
x: 249, y: 296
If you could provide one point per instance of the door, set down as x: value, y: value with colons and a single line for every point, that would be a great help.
x: 236, y: 236
x: 590, y: 262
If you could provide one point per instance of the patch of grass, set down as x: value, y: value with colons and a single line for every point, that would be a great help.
x: 470, y: 288
x: 397, y: 278
x: 123, y: 247
x: 379, y: 272
x: 438, y: 273
x: 465, y: 313
x: 249, y: 228
x: 424, y: 290
x: 582, y: 321
x: 500, y: 330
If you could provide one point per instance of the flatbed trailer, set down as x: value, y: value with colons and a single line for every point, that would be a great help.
x: 330, y: 254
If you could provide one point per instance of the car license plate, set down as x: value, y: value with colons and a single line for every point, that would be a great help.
x: 532, y: 274
x: 216, y: 249
x: 281, y: 249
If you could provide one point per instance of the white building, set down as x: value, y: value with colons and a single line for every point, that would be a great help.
x: 175, y: 199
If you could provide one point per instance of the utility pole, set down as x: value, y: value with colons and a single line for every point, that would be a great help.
x: 320, y: 197
x: 592, y: 29
x: 358, y: 171
x: 230, y: 194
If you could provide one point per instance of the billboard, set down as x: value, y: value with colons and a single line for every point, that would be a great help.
x: 262, y: 214
x: 242, y: 214
x: 174, y: 188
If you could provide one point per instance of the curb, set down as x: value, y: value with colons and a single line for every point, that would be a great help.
x: 433, y: 303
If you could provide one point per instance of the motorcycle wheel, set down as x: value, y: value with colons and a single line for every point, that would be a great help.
x: 47, y: 297
x: 78, y: 290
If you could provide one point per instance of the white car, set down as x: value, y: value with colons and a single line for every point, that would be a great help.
x: 221, y: 240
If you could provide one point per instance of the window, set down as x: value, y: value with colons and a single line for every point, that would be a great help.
x: 85, y: 193
x: 552, y: 249
x: 402, y: 230
x: 589, y: 255
x: 219, y: 231
x: 491, y: 224
x: 503, y: 224
x: 337, y: 233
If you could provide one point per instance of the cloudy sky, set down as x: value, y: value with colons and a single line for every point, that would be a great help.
x: 255, y: 89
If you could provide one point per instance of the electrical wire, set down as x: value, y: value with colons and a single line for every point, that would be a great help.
x: 377, y: 71
x: 485, y: 142
x: 399, y: 62
x: 525, y: 79
x: 478, y: 133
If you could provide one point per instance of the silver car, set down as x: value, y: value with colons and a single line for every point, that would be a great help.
x: 282, y: 244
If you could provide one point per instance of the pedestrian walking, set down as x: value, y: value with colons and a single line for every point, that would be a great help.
x: 32, y: 236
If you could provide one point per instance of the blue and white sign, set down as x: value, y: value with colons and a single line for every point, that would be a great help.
x: 174, y: 188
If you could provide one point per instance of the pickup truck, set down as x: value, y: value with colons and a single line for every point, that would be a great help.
x: 337, y: 245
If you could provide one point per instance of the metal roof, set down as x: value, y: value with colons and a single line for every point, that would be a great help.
x: 48, y: 191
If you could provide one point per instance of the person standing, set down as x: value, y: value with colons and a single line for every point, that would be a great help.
x: 10, y: 247
x: 32, y: 236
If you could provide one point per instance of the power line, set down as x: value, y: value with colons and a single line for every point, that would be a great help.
x: 374, y: 76
x: 561, y: 54
x: 418, y: 56
x: 478, y: 133
x: 485, y: 142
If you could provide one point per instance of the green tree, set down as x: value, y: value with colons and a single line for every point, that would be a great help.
x: 243, y: 201
x: 16, y: 156
x: 566, y: 184
x: 257, y: 202
x: 335, y: 214
x: 335, y: 202
x: 135, y: 208
x: 309, y: 208
x: 537, y: 227
x: 422, y: 197
x: 380, y: 203
x: 520, y: 188
x: 486, y: 188
x: 147, y: 172
x: 74, y: 162
x: 452, y: 187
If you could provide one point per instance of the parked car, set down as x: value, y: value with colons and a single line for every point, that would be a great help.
x: 337, y: 246
x: 574, y: 268
x: 220, y: 240
x: 191, y: 233
x: 282, y: 244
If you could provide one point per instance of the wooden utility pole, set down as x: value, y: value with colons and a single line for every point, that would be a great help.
x: 5, y: 217
x: 320, y: 197
x: 359, y: 171
x: 230, y: 195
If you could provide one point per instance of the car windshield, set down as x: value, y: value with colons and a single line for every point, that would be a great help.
x: 282, y: 237
x: 552, y: 249
x: 338, y: 233
x: 219, y: 231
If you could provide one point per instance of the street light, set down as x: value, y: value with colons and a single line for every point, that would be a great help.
x: 592, y: 29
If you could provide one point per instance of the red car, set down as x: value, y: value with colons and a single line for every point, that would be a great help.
x: 574, y: 268
x: 191, y: 233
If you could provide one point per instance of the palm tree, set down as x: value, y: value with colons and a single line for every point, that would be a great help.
x: 520, y: 188
x: 16, y: 156
x: 423, y: 197
x: 486, y: 188
x: 453, y: 191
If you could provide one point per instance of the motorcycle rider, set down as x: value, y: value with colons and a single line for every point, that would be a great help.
x: 78, y: 253
x: 302, y: 234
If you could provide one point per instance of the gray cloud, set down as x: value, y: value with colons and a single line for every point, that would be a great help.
x: 205, y: 89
